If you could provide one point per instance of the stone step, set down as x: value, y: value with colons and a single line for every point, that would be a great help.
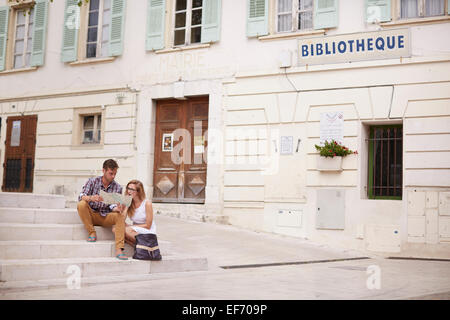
x: 21, y: 286
x: 48, y: 249
x: 32, y: 215
x: 31, y: 200
x: 26, y: 231
x: 41, y: 269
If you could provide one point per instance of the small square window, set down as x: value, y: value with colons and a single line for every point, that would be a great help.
x: 91, y: 129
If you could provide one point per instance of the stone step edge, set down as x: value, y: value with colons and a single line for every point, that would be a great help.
x: 40, y: 209
x: 32, y: 285
x: 52, y: 261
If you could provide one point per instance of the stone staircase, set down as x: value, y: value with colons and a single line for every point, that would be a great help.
x: 41, y: 241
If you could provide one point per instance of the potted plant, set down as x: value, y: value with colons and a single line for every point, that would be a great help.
x: 331, y: 154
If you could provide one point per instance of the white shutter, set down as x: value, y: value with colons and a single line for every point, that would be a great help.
x: 257, y: 18
x: 156, y: 12
x: 4, y: 17
x: 117, y: 27
x: 325, y: 14
x: 378, y: 10
x: 39, y: 33
x: 70, y: 31
x: 211, y: 20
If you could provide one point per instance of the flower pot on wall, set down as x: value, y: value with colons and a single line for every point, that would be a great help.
x: 329, y: 164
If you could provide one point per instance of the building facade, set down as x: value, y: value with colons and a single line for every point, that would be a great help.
x: 216, y: 106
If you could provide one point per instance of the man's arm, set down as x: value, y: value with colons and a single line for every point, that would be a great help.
x: 86, y: 192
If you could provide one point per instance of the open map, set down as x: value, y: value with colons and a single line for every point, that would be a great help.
x: 114, y: 198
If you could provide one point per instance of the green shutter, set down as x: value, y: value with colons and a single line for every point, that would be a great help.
x: 257, y: 18
x: 448, y: 6
x: 4, y: 17
x: 70, y: 31
x: 211, y: 13
x: 378, y: 10
x: 117, y: 27
x: 156, y: 12
x: 326, y: 14
x: 39, y: 33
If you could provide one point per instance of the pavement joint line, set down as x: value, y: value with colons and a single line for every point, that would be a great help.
x: 274, y: 264
x: 420, y: 259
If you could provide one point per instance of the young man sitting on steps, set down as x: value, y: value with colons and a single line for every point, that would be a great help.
x: 93, y: 212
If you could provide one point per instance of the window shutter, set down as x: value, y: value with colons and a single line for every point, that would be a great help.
x: 39, y: 33
x: 257, y: 18
x: 378, y: 10
x: 70, y: 31
x: 4, y: 17
x: 211, y: 20
x: 117, y: 27
x: 325, y: 14
x: 156, y: 13
x: 448, y: 6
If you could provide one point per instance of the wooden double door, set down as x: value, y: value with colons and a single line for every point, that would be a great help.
x: 179, y: 174
x: 20, y: 145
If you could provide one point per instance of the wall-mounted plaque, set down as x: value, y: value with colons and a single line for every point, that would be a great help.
x: 331, y: 127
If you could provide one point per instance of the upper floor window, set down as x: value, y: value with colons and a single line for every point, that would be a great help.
x: 421, y: 8
x: 22, y: 34
x: 188, y: 22
x: 284, y: 16
x: 98, y: 28
x: 23, y: 38
x: 294, y: 15
x: 191, y: 22
x: 407, y: 11
x: 93, y: 30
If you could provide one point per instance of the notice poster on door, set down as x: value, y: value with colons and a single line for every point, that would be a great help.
x: 331, y: 127
x: 167, y: 142
x: 15, y: 134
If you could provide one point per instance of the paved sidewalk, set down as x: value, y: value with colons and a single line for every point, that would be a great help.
x: 305, y: 270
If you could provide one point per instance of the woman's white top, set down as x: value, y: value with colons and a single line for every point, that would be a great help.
x: 139, y: 217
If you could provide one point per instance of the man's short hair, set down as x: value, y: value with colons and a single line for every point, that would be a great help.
x: 110, y: 164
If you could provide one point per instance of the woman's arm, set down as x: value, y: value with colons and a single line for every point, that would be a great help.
x: 149, y: 216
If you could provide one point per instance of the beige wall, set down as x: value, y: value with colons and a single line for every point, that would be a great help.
x: 252, y: 103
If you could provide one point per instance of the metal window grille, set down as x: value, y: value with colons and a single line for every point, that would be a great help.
x: 385, y: 162
x: 13, y: 170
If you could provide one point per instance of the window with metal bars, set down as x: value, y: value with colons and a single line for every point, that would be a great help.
x: 385, y: 162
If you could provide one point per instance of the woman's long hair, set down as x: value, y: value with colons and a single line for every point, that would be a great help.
x: 141, y: 194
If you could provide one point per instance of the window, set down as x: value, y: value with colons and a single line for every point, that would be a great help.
x: 99, y: 18
x: 92, y: 127
x: 385, y: 162
x: 294, y: 15
x: 23, y: 34
x: 421, y: 8
x: 93, y: 30
x: 188, y: 22
x: 23, y: 38
x: 88, y: 124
